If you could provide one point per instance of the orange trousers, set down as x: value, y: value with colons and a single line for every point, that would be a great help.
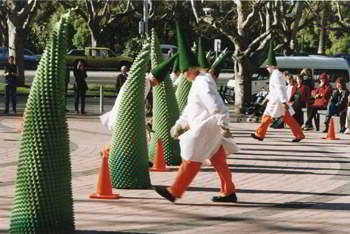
x: 189, y: 169
x: 288, y: 119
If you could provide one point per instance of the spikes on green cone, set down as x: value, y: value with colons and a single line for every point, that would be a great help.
x: 186, y: 57
x: 202, y: 60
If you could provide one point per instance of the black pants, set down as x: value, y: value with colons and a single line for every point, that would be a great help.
x: 311, y: 114
x: 79, y: 94
x: 10, y: 92
x: 299, y: 116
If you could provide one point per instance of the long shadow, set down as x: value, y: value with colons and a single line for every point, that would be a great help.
x: 106, y: 232
x: 280, y: 167
x: 283, y: 155
x: 309, y: 144
x: 283, y: 172
x: 281, y: 149
x: 290, y: 160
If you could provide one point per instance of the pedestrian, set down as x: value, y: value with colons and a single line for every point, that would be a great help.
x: 320, y: 97
x: 121, y: 78
x: 347, y: 124
x: 299, y: 97
x: 277, y: 105
x: 80, y: 87
x: 306, y: 74
x: 10, y: 73
x: 338, y: 104
x: 291, y: 83
x: 201, y: 121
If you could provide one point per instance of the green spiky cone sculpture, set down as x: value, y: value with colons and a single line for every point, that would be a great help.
x: 43, y: 200
x: 182, y: 91
x: 128, y: 161
x: 165, y: 112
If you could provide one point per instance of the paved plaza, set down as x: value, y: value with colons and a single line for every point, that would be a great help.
x: 283, y: 187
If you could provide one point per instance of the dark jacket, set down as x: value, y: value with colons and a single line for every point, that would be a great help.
x: 11, y: 74
x: 299, y: 98
x: 80, y: 79
x: 339, y: 99
x: 121, y: 78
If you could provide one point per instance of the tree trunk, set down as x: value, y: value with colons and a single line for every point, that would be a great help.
x: 16, y: 48
x: 243, y: 89
x: 321, y: 42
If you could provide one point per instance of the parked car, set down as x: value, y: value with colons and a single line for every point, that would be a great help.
x: 31, y: 60
x: 97, y: 58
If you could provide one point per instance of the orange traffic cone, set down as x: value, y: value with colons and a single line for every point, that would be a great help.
x: 331, y: 131
x: 158, y: 161
x: 104, y: 186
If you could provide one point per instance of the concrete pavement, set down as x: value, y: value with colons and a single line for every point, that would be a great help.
x: 283, y: 187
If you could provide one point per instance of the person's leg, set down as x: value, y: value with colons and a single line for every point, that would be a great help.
x: 83, y: 92
x: 186, y: 173
x: 294, y: 126
x: 311, y: 113
x: 262, y: 129
x: 342, y: 119
x: 76, y: 100
x: 13, y: 98
x: 219, y: 163
x: 7, y: 98
x: 347, y: 124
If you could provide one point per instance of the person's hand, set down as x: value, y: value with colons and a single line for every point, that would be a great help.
x: 225, y: 132
x: 285, y: 105
x: 175, y: 131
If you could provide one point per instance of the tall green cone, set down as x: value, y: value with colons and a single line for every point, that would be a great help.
x: 182, y: 91
x: 186, y: 57
x: 202, y: 60
x: 219, y: 61
x: 128, y: 161
x: 43, y: 199
x: 162, y: 70
x: 165, y: 111
x: 271, y: 58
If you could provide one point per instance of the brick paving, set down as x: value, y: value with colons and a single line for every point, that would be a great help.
x: 283, y: 187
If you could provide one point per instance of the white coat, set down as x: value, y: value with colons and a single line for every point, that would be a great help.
x: 201, y: 115
x: 277, y: 95
x: 109, y: 118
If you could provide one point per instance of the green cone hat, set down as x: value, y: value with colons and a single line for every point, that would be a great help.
x: 43, y: 200
x: 219, y: 62
x: 202, y: 60
x: 271, y: 58
x: 162, y: 70
x: 128, y: 161
x: 186, y: 57
x: 165, y: 112
x: 176, y: 67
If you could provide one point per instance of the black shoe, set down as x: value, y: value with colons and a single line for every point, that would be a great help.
x: 83, y: 113
x: 255, y: 137
x: 229, y: 198
x: 297, y: 139
x: 77, y: 112
x: 342, y: 130
x: 308, y: 128
x: 325, y: 131
x: 67, y: 110
x: 165, y: 193
x: 6, y: 112
x: 150, y: 164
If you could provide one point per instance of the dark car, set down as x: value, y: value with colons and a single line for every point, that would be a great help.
x: 31, y: 60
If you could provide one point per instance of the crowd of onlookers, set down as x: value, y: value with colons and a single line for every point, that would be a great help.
x: 302, y: 93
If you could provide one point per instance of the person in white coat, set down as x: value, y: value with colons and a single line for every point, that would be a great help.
x: 277, y: 105
x: 202, y: 131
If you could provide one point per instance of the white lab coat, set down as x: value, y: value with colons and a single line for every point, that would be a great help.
x: 109, y: 118
x: 201, y: 115
x: 277, y: 95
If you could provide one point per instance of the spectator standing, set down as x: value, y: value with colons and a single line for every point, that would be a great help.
x: 291, y: 83
x: 299, y: 98
x: 338, y: 104
x: 10, y: 73
x: 306, y: 74
x: 121, y: 78
x: 80, y: 87
x: 320, y: 97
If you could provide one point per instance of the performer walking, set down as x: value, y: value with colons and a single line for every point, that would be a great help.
x: 277, y: 102
x: 203, y: 119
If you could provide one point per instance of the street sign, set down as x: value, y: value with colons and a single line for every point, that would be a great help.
x: 217, y: 45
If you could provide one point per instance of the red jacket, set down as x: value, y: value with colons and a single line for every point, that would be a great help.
x: 305, y: 93
x: 324, y: 94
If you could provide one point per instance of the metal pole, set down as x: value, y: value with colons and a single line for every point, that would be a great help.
x: 145, y: 16
x: 101, y: 98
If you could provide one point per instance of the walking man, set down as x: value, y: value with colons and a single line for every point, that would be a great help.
x: 277, y: 105
x: 201, y: 121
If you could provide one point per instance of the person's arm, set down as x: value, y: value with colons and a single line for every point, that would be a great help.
x: 343, y: 98
x: 280, y: 85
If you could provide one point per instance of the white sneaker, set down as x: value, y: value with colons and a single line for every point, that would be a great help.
x: 347, y: 131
